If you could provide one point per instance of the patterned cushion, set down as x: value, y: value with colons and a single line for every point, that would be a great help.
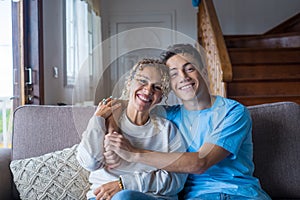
x: 55, y: 176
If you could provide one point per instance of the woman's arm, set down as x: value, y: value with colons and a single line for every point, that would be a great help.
x: 90, y: 150
x: 156, y: 181
x: 187, y: 162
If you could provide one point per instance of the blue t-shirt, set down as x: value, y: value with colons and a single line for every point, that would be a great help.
x: 227, y: 124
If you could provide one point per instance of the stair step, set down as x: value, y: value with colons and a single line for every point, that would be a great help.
x: 287, y: 40
x: 255, y: 100
x: 290, y: 25
x: 265, y: 72
x: 266, y: 68
x: 271, y: 88
x: 254, y: 56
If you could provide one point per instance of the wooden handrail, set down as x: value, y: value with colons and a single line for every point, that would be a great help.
x: 211, y: 38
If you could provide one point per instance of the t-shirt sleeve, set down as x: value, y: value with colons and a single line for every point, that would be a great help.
x: 165, y: 111
x: 230, y: 131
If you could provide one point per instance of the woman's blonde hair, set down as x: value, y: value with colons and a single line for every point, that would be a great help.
x: 139, y: 66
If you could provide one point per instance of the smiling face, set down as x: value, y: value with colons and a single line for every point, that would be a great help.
x: 146, y: 89
x: 186, y: 81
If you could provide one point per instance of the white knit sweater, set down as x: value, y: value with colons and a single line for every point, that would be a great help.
x: 157, y: 134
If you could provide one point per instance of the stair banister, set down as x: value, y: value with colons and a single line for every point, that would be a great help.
x: 210, y: 36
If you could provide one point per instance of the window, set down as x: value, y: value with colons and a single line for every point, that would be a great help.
x: 80, y: 23
x: 6, y: 68
x: 70, y: 25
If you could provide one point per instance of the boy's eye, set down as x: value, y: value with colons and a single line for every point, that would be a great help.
x: 173, y: 74
x: 157, y: 87
x: 189, y: 68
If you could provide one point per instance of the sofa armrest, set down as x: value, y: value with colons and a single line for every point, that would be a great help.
x: 5, y: 174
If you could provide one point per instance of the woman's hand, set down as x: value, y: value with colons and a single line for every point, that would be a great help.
x: 106, y: 107
x: 112, y: 160
x: 107, y: 190
x: 121, y: 146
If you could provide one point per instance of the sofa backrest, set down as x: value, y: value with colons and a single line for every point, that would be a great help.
x: 39, y: 130
x: 276, y: 139
x: 276, y: 143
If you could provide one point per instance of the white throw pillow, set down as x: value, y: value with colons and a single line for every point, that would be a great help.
x: 54, y: 176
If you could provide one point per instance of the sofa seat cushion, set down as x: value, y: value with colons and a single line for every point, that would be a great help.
x: 55, y: 175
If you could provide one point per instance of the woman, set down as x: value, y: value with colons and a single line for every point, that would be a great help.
x: 146, y: 86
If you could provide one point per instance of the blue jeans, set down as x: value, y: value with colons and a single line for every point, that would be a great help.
x: 135, y: 195
x: 132, y: 195
x: 222, y: 196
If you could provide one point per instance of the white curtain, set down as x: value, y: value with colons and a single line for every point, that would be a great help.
x: 87, y: 36
x: 95, y: 5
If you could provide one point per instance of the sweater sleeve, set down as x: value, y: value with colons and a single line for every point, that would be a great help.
x: 159, y: 181
x: 90, y: 149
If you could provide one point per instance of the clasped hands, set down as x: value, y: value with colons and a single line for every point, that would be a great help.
x: 117, y: 148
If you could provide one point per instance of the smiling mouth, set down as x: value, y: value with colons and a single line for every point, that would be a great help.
x: 144, y: 98
x: 187, y: 87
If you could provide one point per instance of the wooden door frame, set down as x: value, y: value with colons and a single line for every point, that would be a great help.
x: 27, y: 17
x: 18, y: 55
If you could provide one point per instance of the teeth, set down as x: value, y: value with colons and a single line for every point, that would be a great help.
x: 144, y: 98
x: 186, y: 87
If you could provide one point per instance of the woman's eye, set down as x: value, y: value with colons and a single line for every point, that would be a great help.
x: 142, y: 81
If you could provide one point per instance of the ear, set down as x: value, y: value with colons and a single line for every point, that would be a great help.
x: 159, y: 99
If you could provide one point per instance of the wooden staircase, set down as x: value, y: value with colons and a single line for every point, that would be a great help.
x: 266, y: 68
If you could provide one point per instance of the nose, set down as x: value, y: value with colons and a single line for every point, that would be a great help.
x: 183, y: 75
x: 148, y: 89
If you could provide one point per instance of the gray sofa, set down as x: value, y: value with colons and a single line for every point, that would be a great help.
x: 39, y: 130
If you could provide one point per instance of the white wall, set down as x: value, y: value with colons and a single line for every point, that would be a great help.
x: 236, y: 17
x: 253, y: 16
x: 55, y: 92
x: 185, y: 13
